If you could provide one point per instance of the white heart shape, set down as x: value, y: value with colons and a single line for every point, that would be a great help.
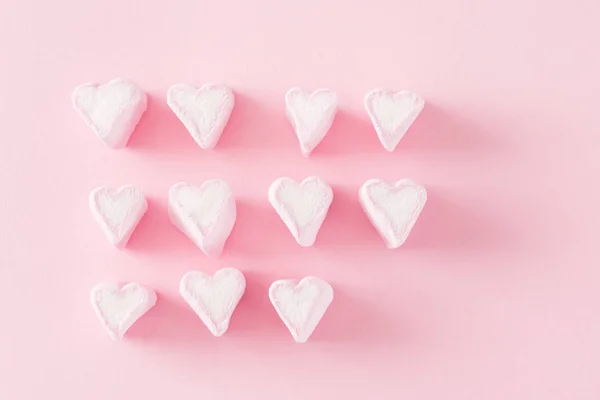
x: 206, y: 214
x: 301, y: 306
x: 118, y: 211
x: 204, y: 112
x: 119, y: 307
x: 111, y: 110
x: 392, y: 209
x: 213, y: 298
x: 311, y: 115
x: 302, y: 206
x: 392, y: 114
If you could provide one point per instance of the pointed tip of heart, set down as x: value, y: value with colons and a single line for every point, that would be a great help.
x: 218, y: 332
x: 305, y: 151
x: 390, y: 147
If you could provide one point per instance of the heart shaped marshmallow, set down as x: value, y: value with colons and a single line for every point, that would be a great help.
x: 204, y: 112
x: 213, y: 298
x: 206, y: 214
x: 301, y: 305
x: 111, y: 110
x: 311, y: 115
x: 118, y: 211
x: 119, y: 307
x: 392, y: 114
x: 302, y: 206
x: 392, y: 209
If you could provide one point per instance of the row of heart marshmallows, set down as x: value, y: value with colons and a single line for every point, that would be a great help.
x: 113, y: 110
x: 206, y: 214
x: 213, y: 298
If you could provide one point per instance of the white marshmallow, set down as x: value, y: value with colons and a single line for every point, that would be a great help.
x: 301, y: 305
x: 392, y: 209
x: 111, y: 110
x: 392, y: 114
x: 118, y: 211
x: 119, y: 307
x: 302, y: 206
x: 213, y: 298
x: 204, y: 112
x: 311, y: 115
x: 206, y: 214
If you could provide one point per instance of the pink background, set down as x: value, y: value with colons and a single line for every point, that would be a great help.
x: 496, y: 294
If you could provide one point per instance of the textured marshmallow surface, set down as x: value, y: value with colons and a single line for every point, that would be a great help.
x: 213, y: 298
x: 205, y: 213
x: 301, y: 305
x: 118, y: 211
x: 204, y: 112
x: 311, y: 115
x: 119, y: 307
x: 111, y: 110
x: 392, y: 209
x: 392, y: 114
x: 301, y: 206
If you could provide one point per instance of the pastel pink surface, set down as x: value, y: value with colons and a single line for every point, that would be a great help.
x: 495, y: 295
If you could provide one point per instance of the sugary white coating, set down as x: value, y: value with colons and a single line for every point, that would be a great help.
x: 205, y: 213
x: 311, y: 115
x: 112, y: 111
x: 119, y: 307
x: 301, y: 305
x: 392, y: 209
x: 118, y: 211
x: 204, y: 111
x: 301, y: 206
x: 213, y: 298
x: 392, y: 114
